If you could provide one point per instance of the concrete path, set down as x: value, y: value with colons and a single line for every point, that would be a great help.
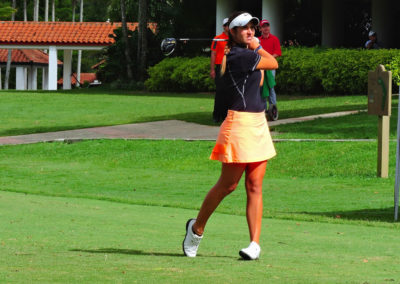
x: 168, y: 129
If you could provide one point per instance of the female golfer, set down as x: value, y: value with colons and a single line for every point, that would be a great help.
x: 244, y: 143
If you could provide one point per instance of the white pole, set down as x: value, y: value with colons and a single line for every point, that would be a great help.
x: 67, y: 69
x: 78, y: 69
x: 52, y: 72
x: 396, y: 184
x: 20, y: 78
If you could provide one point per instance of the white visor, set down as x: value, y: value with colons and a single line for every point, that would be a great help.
x: 242, y: 20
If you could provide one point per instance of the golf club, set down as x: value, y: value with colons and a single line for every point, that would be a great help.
x: 168, y: 44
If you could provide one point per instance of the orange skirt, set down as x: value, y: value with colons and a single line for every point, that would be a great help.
x: 243, y: 138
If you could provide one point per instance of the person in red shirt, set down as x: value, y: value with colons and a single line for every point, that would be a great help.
x: 217, y: 53
x: 271, y: 44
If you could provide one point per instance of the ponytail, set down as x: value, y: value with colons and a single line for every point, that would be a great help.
x: 227, y: 50
x: 223, y: 64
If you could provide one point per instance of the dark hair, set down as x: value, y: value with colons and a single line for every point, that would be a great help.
x: 231, y: 41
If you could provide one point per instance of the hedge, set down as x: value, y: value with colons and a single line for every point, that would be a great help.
x: 301, y: 70
x: 333, y: 71
x: 181, y: 74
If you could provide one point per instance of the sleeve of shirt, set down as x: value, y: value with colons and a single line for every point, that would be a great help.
x: 214, y: 44
x: 249, y: 61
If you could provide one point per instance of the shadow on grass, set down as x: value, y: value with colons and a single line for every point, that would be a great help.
x: 41, y: 129
x: 377, y: 215
x: 104, y: 91
x: 126, y: 251
x: 361, y: 126
x: 138, y: 252
x: 204, y: 118
x: 290, y: 113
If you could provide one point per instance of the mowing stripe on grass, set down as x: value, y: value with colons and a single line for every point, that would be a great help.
x: 68, y: 240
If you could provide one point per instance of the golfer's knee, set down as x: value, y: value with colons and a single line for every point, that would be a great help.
x: 228, y: 188
x: 253, y: 187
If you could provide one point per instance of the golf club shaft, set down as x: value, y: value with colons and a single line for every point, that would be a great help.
x: 200, y: 39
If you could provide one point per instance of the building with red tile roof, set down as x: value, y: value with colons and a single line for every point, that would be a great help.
x: 85, y: 77
x: 26, y: 57
x: 83, y: 34
x: 53, y: 36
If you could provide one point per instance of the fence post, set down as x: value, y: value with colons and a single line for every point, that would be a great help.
x: 396, y: 184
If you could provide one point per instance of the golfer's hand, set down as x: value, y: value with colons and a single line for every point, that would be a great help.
x: 254, y: 43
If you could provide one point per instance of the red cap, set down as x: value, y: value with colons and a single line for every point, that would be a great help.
x: 264, y: 22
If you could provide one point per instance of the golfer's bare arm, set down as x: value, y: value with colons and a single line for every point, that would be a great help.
x: 262, y: 78
x: 267, y: 61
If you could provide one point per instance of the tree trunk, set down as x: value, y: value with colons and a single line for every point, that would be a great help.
x: 73, y: 10
x: 25, y: 14
x: 46, y: 11
x: 125, y: 39
x: 36, y: 10
x: 81, y: 12
x: 53, y: 10
x: 9, y: 56
x: 142, y: 39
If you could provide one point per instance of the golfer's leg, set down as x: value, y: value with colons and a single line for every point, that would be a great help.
x: 230, y: 176
x: 254, y: 177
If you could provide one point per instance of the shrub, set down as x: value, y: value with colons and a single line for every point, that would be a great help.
x: 181, y: 74
x: 335, y: 71
x: 394, y: 66
x: 301, y: 70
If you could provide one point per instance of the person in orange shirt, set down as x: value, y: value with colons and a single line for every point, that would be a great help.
x: 217, y: 53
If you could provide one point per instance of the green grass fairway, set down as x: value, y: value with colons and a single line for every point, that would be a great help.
x: 307, y: 181
x: 67, y: 240
x: 357, y: 126
x: 35, y: 112
x: 114, y: 211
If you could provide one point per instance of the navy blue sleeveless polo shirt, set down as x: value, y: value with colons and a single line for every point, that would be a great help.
x: 241, y: 82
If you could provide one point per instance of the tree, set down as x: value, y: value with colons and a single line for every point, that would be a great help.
x: 142, y: 40
x: 73, y: 10
x: 46, y: 11
x: 125, y: 40
x: 53, y: 10
x: 6, y: 11
x: 36, y: 10
x: 25, y: 14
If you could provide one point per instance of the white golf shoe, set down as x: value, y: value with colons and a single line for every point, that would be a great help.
x: 252, y: 252
x: 191, y: 242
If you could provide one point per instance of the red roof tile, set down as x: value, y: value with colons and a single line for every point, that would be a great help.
x: 85, y: 77
x: 26, y: 56
x: 60, y: 33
